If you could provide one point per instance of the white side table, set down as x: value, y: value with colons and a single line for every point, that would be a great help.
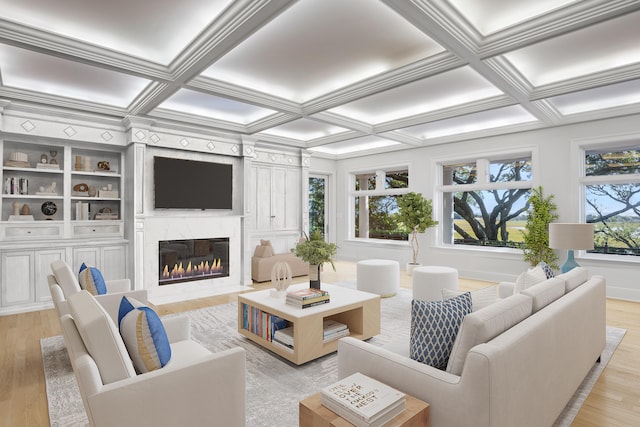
x: 378, y: 276
x: 429, y: 281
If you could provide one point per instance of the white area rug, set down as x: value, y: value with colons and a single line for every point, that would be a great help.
x: 274, y: 386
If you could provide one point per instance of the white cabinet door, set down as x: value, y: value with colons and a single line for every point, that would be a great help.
x: 276, y: 202
x: 43, y: 260
x: 88, y: 256
x: 114, y: 262
x: 17, y: 278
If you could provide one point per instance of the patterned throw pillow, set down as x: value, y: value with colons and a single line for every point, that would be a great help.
x: 90, y: 278
x: 434, y: 326
x: 548, y: 271
x: 143, y: 335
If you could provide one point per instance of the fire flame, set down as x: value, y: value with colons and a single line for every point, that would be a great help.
x: 201, y: 269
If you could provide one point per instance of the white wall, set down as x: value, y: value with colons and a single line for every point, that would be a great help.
x: 557, y: 174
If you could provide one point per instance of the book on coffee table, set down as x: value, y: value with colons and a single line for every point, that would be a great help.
x: 363, y: 401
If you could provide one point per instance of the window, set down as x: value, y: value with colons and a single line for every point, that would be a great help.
x: 485, y: 201
x: 375, y: 203
x: 611, y: 185
x: 317, y: 204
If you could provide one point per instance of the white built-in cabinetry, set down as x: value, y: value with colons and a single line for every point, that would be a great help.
x: 70, y: 208
x: 277, y: 198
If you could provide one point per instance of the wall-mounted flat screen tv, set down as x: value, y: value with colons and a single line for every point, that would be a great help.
x: 192, y: 184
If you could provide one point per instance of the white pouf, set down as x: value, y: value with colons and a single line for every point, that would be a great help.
x: 429, y: 281
x: 378, y: 276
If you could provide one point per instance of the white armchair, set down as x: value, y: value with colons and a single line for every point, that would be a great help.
x: 64, y: 283
x: 196, y: 388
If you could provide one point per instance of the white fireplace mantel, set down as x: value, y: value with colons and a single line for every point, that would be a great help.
x: 184, y: 226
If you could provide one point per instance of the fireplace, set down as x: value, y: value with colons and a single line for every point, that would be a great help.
x: 192, y: 259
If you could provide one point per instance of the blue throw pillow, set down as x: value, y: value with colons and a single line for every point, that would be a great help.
x: 90, y: 278
x: 144, y: 335
x: 548, y: 271
x: 434, y: 326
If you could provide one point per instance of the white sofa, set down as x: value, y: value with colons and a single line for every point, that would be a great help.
x: 522, y: 377
x: 195, y: 388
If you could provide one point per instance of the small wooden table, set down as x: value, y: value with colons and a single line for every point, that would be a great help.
x: 313, y: 414
x: 360, y: 311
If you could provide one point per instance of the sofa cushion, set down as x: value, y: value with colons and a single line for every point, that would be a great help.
x: 531, y: 277
x: 434, y: 326
x: 90, y: 278
x: 545, y: 293
x: 480, y: 298
x: 144, y: 335
x: 263, y: 251
x: 574, y: 278
x: 65, y: 278
x: 100, y: 337
x: 484, y: 325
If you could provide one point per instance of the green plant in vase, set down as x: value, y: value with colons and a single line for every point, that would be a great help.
x: 416, y: 213
x: 316, y: 252
x: 536, y: 234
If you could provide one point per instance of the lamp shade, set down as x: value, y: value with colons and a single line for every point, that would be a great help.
x: 564, y: 235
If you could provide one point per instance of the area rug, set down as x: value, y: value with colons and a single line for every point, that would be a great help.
x: 274, y: 385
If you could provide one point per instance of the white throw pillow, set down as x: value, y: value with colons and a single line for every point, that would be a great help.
x: 531, y: 277
x: 480, y: 298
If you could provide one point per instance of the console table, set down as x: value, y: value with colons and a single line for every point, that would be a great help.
x: 360, y: 311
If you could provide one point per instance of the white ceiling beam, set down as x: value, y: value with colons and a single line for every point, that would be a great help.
x: 420, y: 14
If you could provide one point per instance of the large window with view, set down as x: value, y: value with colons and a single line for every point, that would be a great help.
x: 374, y: 198
x: 485, y: 201
x: 611, y: 185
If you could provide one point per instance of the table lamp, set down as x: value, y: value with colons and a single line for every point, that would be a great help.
x: 570, y: 236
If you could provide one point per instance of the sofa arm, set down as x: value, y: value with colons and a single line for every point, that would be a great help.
x: 455, y: 400
x: 118, y: 285
x: 211, y: 391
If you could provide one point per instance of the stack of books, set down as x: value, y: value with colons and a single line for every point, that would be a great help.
x: 284, y: 338
x: 332, y: 330
x: 305, y: 298
x: 363, y: 401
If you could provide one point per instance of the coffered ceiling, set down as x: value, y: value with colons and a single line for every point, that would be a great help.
x: 339, y: 77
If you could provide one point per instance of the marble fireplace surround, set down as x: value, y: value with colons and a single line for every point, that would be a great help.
x: 170, y: 227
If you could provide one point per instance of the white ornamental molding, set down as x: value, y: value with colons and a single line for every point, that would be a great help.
x: 28, y: 126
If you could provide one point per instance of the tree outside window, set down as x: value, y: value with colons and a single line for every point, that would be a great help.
x: 375, y: 202
x: 486, y: 201
x: 612, y: 199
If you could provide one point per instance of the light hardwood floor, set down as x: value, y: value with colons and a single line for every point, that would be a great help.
x: 614, y: 401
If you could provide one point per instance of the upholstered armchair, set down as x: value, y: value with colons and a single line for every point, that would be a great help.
x: 64, y: 283
x: 195, y: 388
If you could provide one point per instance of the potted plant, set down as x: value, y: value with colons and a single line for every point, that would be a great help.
x: 416, y: 214
x: 536, y: 235
x: 316, y: 252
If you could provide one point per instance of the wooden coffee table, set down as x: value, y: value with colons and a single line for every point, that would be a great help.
x: 313, y: 414
x: 360, y: 311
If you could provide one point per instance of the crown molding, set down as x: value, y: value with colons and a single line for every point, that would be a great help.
x: 170, y: 116
x: 342, y: 121
x: 227, y: 90
x: 569, y: 18
x: 67, y: 48
x: 436, y: 64
x: 270, y: 121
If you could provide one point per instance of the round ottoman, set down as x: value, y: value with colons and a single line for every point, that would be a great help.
x: 378, y: 276
x: 429, y: 281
